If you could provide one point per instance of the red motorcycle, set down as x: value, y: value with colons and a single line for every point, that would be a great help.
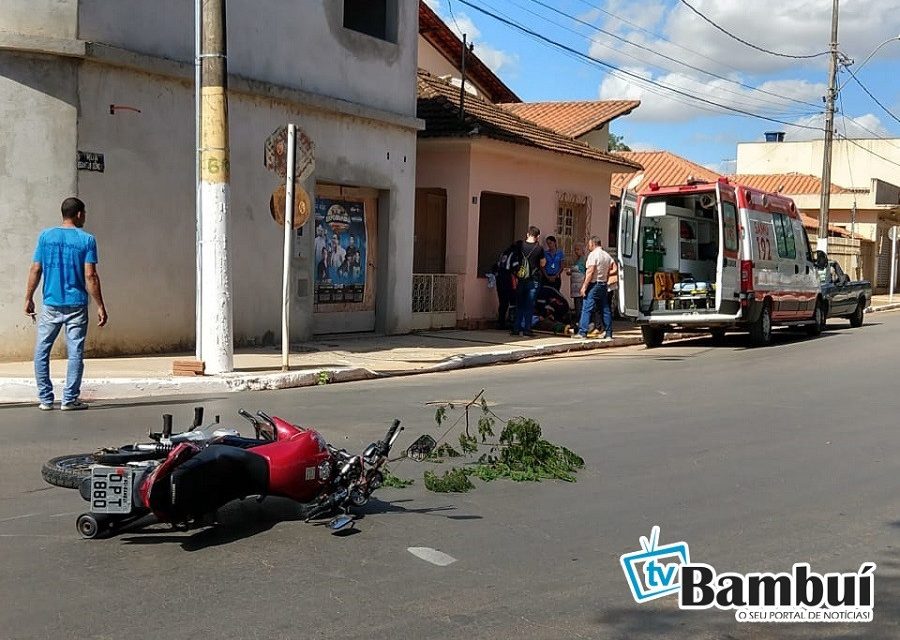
x: 192, y: 480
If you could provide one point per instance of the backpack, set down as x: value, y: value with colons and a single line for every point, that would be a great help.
x: 509, y: 260
x: 524, y: 271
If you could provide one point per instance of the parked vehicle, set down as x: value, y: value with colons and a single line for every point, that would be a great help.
x: 192, y: 481
x: 843, y: 298
x: 712, y: 257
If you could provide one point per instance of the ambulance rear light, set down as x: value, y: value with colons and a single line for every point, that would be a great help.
x: 654, y: 186
x: 746, y: 275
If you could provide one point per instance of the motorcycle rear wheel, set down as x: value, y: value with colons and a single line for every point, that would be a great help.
x: 68, y: 471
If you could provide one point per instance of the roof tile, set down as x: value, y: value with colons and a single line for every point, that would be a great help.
x: 438, y: 105
x: 572, y: 118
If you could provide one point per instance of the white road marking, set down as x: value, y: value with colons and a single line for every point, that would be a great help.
x: 433, y: 556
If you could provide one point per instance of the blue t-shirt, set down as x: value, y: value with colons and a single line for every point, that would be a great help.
x: 554, y: 262
x: 63, y: 252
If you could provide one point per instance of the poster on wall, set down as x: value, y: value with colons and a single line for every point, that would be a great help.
x: 340, y: 251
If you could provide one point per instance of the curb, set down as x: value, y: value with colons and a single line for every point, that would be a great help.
x: 884, y: 307
x: 22, y: 390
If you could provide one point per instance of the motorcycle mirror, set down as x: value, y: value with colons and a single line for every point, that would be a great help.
x: 339, y: 522
x: 421, y: 448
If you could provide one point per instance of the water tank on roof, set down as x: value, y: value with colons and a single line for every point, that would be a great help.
x: 774, y: 136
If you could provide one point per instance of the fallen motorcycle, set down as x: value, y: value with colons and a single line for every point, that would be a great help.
x: 194, y: 478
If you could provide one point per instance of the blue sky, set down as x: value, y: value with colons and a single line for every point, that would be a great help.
x: 781, y: 88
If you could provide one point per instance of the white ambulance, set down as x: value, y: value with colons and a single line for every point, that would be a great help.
x: 713, y: 257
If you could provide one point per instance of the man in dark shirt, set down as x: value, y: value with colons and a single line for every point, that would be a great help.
x: 529, y: 275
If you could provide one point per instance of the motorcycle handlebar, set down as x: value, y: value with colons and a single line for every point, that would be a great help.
x: 392, y: 433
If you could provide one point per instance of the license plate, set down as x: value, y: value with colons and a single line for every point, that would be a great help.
x: 111, y: 489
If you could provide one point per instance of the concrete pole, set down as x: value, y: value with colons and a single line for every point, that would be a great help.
x: 825, y: 204
x: 216, y: 306
x: 288, y: 243
x: 198, y: 280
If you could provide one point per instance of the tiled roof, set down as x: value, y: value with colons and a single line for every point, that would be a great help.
x: 572, y: 118
x: 438, y: 105
x: 662, y: 167
x: 786, y: 183
x: 442, y: 38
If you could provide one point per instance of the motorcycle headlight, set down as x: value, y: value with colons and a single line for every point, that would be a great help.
x: 324, y: 470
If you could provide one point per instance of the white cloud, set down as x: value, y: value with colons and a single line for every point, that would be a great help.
x: 658, y: 104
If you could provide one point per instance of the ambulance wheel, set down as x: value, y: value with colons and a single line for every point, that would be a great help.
x: 761, y: 330
x: 856, y: 319
x: 653, y: 336
x: 818, y: 320
x: 88, y: 526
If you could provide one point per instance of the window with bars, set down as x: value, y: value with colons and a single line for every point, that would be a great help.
x: 571, y: 223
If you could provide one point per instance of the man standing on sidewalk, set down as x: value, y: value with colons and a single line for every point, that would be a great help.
x: 529, y: 275
x: 66, y: 257
x: 593, y: 290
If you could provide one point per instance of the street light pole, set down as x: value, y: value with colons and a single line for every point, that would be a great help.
x: 825, y: 201
x: 216, y: 306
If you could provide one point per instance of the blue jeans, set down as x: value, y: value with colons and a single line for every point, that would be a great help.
x: 51, y: 320
x: 596, y: 298
x: 526, y: 294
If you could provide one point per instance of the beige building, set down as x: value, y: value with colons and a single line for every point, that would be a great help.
x: 867, y: 200
x: 116, y: 79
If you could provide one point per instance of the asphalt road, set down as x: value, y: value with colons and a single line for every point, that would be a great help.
x: 757, y: 458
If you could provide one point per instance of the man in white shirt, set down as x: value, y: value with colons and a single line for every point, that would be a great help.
x: 594, y: 289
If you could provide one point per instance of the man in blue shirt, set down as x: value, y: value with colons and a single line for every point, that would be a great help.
x: 66, y: 257
x: 553, y: 268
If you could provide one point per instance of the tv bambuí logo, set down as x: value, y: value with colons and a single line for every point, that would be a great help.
x: 799, y: 596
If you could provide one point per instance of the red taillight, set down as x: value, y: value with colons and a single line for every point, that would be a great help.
x: 746, y: 275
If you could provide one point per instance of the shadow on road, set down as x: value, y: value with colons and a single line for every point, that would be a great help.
x: 249, y: 517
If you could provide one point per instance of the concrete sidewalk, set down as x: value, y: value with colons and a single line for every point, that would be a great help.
x: 325, y: 360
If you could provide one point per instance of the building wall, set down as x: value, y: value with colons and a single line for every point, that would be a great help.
x: 598, y: 138
x: 851, y: 166
x: 302, y: 45
x: 141, y: 208
x: 434, y: 62
x: 51, y: 18
x: 38, y: 106
x: 466, y: 170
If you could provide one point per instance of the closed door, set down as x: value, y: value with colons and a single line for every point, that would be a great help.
x: 430, y: 239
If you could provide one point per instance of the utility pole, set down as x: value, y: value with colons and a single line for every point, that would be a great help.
x: 216, y: 304
x: 467, y: 48
x: 822, y: 242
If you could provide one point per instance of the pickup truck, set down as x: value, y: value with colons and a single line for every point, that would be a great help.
x: 843, y: 298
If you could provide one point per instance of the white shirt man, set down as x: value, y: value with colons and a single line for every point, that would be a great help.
x: 594, y: 291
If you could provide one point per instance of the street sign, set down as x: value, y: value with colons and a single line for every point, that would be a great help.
x: 276, y: 154
x: 302, y: 206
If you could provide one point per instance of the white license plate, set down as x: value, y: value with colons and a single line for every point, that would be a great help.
x: 111, y: 489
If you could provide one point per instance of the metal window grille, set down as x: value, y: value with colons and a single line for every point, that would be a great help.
x: 434, y: 292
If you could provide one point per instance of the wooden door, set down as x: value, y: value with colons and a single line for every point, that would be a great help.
x: 430, y: 239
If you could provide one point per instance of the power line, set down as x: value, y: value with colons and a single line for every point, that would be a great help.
x: 450, y: 6
x: 662, y: 55
x: 869, y: 93
x: 864, y: 148
x: 750, y: 44
x: 625, y: 72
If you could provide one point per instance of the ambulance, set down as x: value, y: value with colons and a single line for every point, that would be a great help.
x: 715, y: 257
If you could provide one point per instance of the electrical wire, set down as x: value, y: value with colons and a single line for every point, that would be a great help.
x: 662, y: 55
x: 625, y: 72
x: 869, y: 93
x: 750, y: 44
x: 453, y: 17
x: 864, y: 148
